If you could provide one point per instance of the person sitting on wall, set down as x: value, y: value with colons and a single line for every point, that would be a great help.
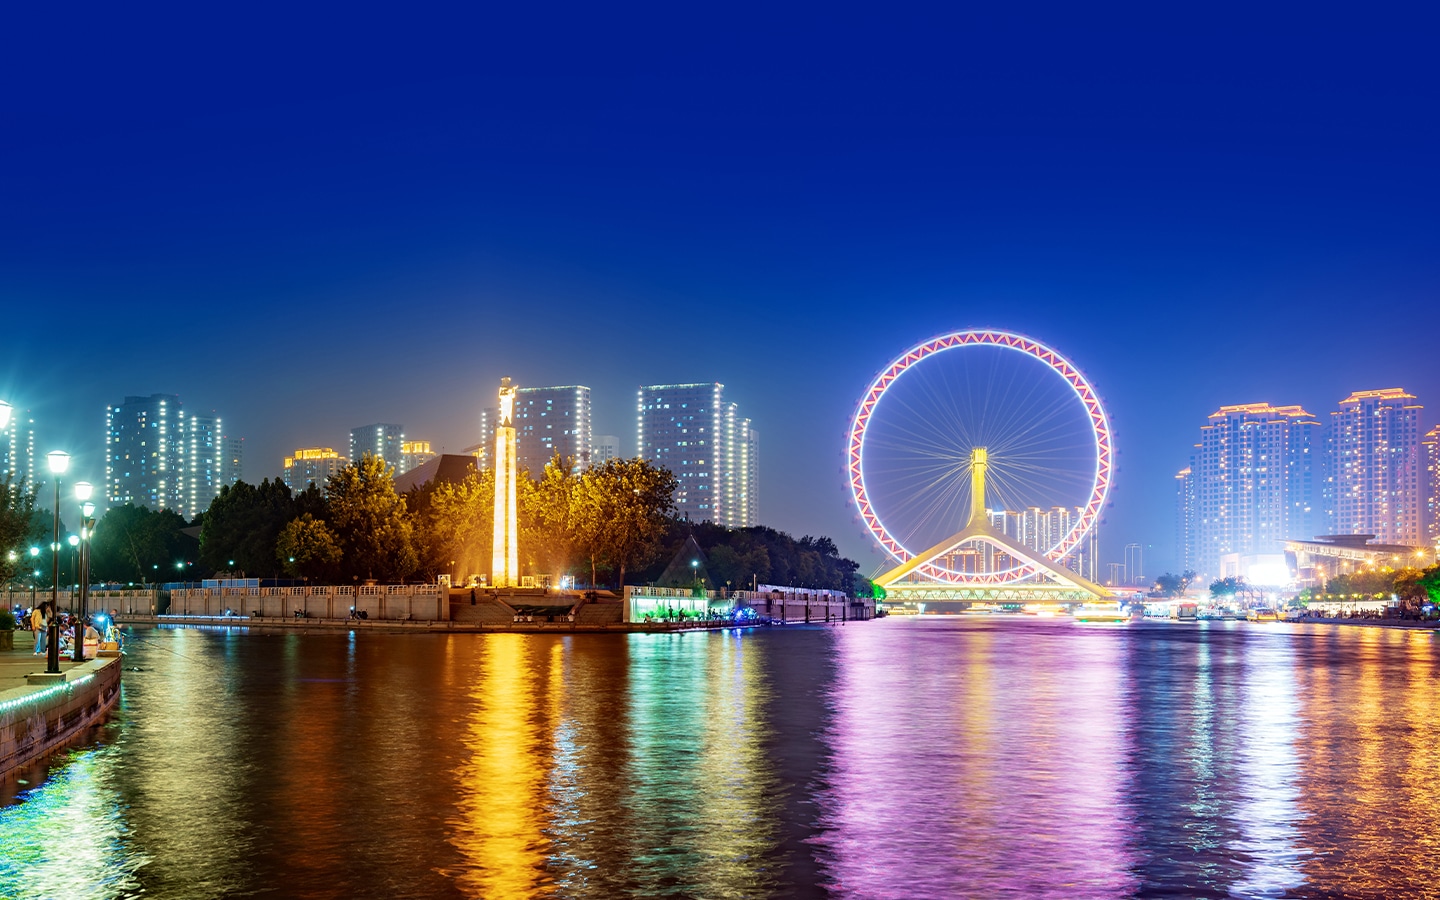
x: 92, y: 639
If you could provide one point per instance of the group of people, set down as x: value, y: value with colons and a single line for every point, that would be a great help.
x: 43, y: 616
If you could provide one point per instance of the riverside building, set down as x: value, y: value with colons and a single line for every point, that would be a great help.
x: 1374, y: 480
x: 713, y: 451
x: 1431, y: 444
x: 1250, y: 486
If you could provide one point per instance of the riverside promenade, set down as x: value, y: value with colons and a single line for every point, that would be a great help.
x: 41, y: 713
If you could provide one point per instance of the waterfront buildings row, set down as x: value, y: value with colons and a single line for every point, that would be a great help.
x: 160, y: 456
x: 690, y: 429
x: 1262, y: 475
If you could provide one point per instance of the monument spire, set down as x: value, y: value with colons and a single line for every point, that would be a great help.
x: 505, y: 562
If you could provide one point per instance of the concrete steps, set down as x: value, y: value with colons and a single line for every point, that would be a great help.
x: 484, y: 612
x: 600, y: 613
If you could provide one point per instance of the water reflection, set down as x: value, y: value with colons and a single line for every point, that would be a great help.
x: 929, y: 758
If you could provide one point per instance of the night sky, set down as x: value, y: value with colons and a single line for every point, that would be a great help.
x: 309, y: 221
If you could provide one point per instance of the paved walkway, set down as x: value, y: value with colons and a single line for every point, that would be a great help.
x: 16, y: 664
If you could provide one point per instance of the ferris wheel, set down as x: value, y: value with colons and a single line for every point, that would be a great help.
x: 1034, y: 423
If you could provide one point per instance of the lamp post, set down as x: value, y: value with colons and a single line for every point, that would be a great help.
x: 83, y: 490
x: 58, y: 462
x: 34, y: 573
x: 74, y: 542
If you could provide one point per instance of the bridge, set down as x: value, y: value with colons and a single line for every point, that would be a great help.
x: 925, y: 578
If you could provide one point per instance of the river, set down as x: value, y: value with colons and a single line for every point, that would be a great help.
x: 903, y: 758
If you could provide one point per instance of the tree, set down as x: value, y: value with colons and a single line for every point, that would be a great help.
x: 619, y: 513
x: 547, y: 532
x: 242, y: 525
x: 307, y: 548
x: 1169, y: 585
x: 1227, y: 587
x: 376, y: 536
x: 131, y: 543
x: 456, y: 527
x: 17, y: 525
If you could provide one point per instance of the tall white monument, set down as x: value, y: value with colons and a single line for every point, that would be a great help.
x: 505, y: 566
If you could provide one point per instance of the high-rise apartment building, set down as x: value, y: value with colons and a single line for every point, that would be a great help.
x: 603, y: 448
x: 413, y: 455
x: 691, y: 430
x: 1186, y: 508
x: 485, y: 450
x: 383, y: 441
x: 1251, y: 482
x: 144, y: 453
x: 550, y: 420
x: 232, y: 460
x: 1374, y: 480
x: 160, y: 457
x: 202, y: 460
x: 17, y: 442
x: 311, y: 465
x: 1431, y: 444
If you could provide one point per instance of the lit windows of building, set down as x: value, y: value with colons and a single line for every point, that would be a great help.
x: 550, y: 420
x: 144, y: 453
x: 311, y: 465
x: 1250, y: 484
x: 202, y: 460
x: 1375, y: 473
x: 691, y: 430
x: 1431, y: 443
x: 413, y: 455
x: 385, y: 442
x: 17, y: 444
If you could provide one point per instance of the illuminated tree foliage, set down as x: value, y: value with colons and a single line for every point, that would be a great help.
x: 307, y: 548
x: 620, y: 513
x: 368, y: 517
x: 546, y: 510
x: 454, y: 525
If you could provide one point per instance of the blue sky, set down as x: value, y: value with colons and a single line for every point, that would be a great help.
x: 314, y: 220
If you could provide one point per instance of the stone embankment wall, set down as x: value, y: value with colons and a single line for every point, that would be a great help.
x: 39, y: 719
x: 396, y: 602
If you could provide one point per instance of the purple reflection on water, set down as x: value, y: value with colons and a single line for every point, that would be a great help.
x: 977, y: 759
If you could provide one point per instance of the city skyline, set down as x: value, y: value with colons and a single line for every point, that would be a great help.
x: 1170, y: 548
x: 341, y: 237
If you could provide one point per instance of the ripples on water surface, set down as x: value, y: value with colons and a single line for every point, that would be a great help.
x: 901, y: 758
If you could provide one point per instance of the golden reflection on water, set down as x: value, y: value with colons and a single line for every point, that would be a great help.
x: 1368, y: 759
x: 498, y: 825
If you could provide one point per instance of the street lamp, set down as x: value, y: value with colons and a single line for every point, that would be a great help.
x: 74, y: 542
x: 59, y: 462
x: 83, y: 492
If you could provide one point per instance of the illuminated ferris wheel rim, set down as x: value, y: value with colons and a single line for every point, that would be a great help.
x: 1095, y: 414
